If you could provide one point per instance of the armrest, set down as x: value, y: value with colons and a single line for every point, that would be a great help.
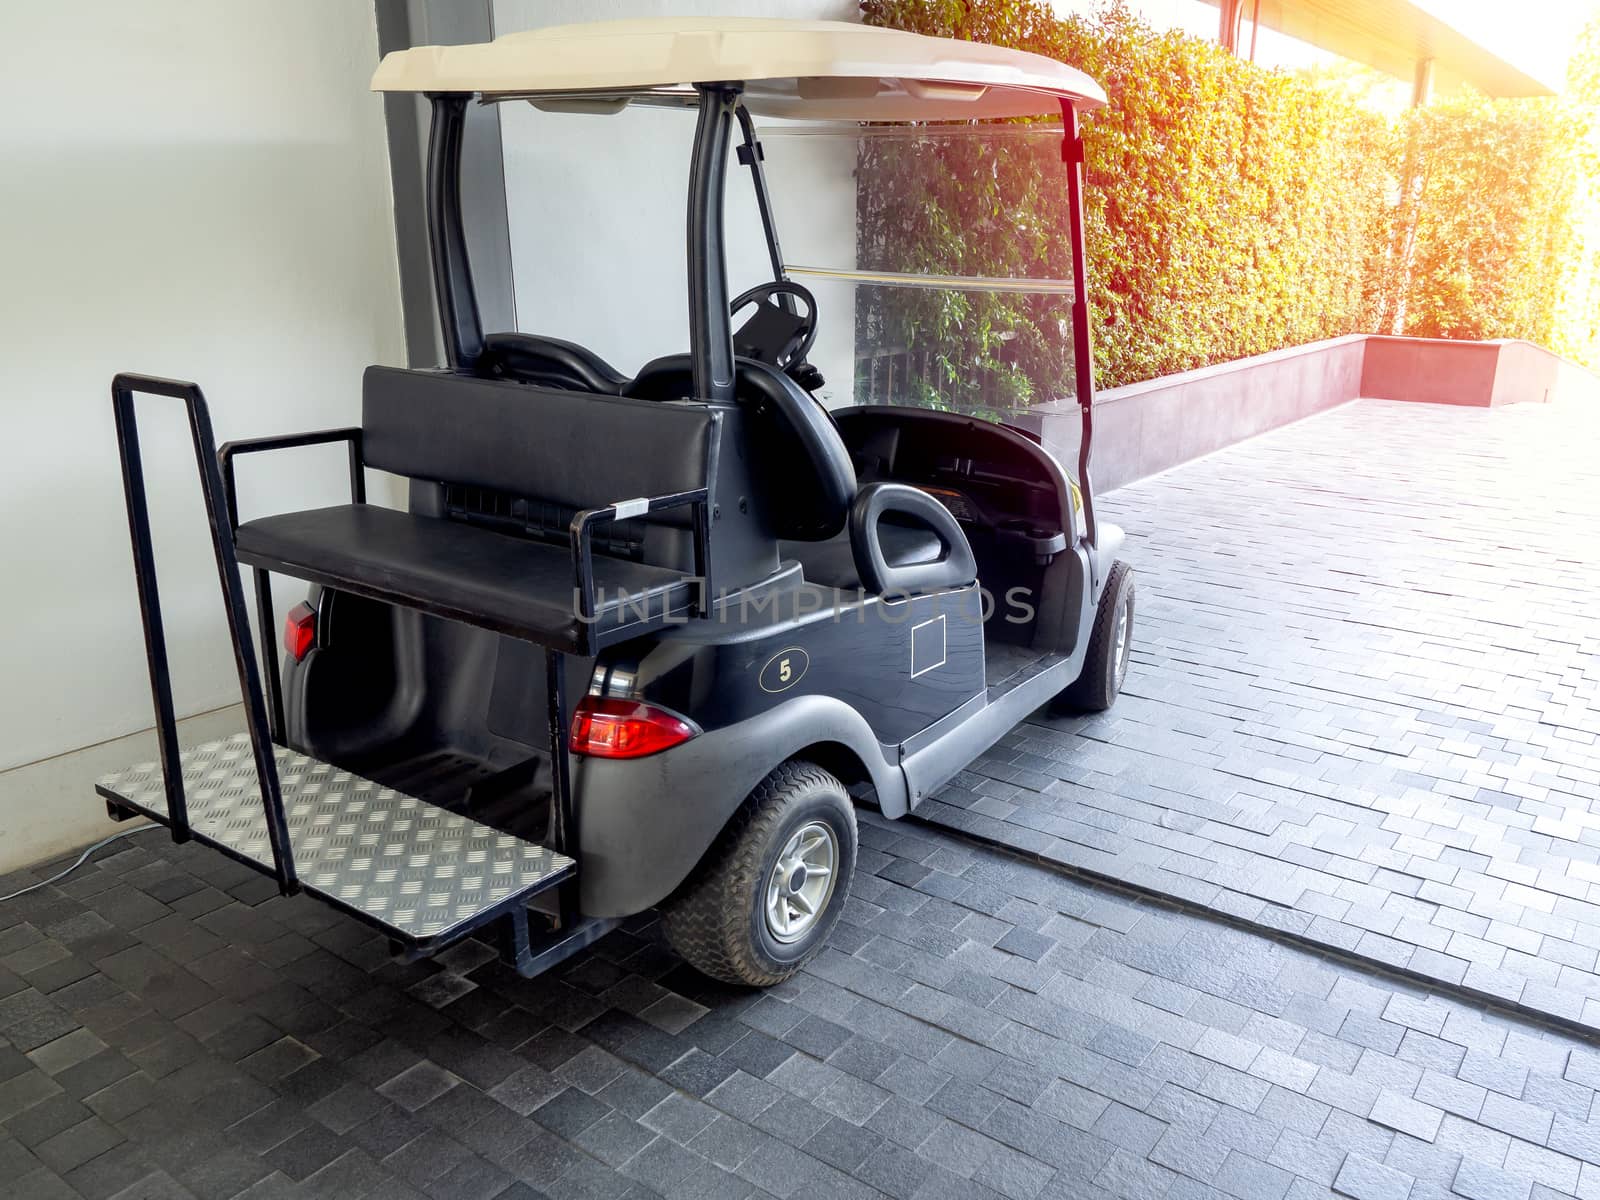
x: 955, y: 568
x: 582, y: 528
x: 290, y: 441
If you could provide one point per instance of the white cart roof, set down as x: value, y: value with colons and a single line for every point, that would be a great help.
x: 820, y: 70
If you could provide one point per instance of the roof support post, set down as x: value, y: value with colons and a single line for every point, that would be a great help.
x: 1082, y: 337
x: 453, y: 292
x: 403, y: 24
x: 710, y: 327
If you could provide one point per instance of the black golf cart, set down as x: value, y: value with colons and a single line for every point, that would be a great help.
x: 762, y: 609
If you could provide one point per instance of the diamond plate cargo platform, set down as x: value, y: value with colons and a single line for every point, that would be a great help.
x: 424, y: 874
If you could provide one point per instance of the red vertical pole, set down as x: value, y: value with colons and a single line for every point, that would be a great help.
x: 1082, y: 338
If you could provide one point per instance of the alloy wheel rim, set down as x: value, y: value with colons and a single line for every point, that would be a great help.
x: 1121, y: 654
x: 801, y: 882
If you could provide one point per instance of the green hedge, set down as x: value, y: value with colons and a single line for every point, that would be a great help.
x: 1228, y: 207
x: 1274, y: 183
x: 1234, y: 210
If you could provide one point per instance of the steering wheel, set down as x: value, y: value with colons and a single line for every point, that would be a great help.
x: 775, y: 334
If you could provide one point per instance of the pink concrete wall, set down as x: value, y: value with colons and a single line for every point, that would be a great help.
x: 1148, y: 427
x: 1430, y: 370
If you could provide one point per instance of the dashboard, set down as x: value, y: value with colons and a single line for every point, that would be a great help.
x: 998, y: 484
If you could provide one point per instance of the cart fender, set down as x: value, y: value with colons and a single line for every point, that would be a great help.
x: 1108, y: 541
x: 644, y: 823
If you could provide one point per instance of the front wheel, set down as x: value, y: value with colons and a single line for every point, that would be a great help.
x: 772, y: 887
x: 1110, y: 641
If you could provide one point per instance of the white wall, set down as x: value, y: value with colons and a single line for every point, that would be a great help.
x: 596, y: 207
x: 196, y: 190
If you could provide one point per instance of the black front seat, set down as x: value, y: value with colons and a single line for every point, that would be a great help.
x: 881, y: 538
x: 549, y: 362
x: 796, y: 447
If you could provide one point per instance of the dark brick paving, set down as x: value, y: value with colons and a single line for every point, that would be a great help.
x: 1363, y: 702
x: 1359, y: 718
x: 979, y: 1026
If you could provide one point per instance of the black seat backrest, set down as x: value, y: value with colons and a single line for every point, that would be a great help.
x: 798, y: 458
x: 573, y: 448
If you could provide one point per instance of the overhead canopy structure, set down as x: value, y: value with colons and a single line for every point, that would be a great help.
x: 822, y: 70
x: 1397, y: 36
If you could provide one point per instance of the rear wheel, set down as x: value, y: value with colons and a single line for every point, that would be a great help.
x: 1110, y: 642
x: 772, y: 888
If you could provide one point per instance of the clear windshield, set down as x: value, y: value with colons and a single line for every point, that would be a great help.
x: 939, y: 254
x: 940, y: 257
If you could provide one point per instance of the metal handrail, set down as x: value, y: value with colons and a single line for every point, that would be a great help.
x: 290, y: 441
x: 352, y: 436
x: 581, y: 533
x: 123, y: 388
x: 1019, y: 284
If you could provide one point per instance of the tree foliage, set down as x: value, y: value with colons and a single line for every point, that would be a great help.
x: 1233, y: 210
x: 1578, y: 320
x: 1485, y: 230
x: 1495, y: 228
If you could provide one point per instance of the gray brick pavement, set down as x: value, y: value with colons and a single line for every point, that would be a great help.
x: 209, y: 1042
x: 1359, y: 719
x: 1362, y: 707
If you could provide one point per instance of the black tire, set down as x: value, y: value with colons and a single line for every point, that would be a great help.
x: 1097, y: 687
x: 718, y: 920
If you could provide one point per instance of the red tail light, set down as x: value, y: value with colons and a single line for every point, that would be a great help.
x: 614, y: 728
x: 300, y: 631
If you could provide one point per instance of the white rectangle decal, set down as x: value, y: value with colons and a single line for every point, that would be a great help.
x: 927, y: 646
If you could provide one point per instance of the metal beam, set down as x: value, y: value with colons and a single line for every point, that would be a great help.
x: 1422, y: 83
x: 1391, y: 35
x: 1228, y: 24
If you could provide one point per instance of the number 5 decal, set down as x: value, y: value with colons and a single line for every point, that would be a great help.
x: 784, y: 669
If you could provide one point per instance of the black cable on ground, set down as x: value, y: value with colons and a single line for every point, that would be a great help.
x: 82, y: 858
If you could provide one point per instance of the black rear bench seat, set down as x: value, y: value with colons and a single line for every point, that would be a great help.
x: 584, y: 451
x: 509, y: 584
